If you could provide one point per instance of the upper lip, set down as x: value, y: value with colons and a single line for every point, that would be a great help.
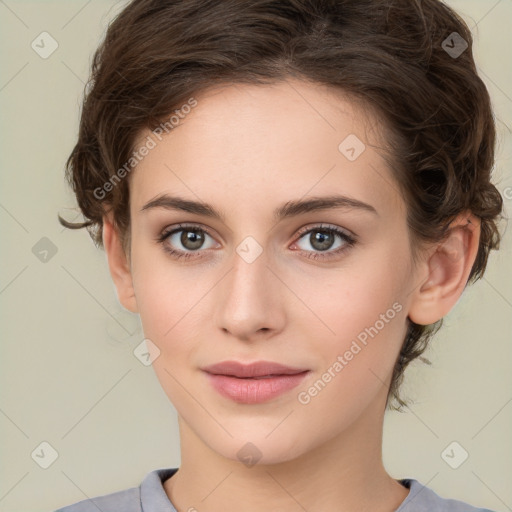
x: 256, y: 369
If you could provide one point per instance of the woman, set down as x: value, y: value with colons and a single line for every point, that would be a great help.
x: 291, y: 195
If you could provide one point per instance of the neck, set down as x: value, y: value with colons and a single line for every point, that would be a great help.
x: 342, y: 473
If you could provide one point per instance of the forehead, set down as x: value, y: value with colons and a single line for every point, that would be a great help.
x: 260, y: 143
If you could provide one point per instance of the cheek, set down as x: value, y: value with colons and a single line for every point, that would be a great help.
x: 356, y: 362
x: 363, y: 322
x: 172, y: 313
x: 170, y: 299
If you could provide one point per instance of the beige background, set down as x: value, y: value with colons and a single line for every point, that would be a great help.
x: 68, y: 373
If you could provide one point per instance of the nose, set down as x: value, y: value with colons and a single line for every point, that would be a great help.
x: 250, y: 299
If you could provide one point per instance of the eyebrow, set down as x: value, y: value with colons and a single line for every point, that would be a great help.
x: 288, y: 209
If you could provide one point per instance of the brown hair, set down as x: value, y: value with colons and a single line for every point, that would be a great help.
x: 393, y: 55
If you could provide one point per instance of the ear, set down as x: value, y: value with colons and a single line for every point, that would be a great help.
x: 445, y: 271
x: 119, y: 266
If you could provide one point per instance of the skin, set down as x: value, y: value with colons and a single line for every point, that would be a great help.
x: 247, y: 149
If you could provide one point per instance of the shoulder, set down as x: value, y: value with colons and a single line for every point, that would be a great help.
x: 127, y: 500
x: 424, y: 499
x: 148, y: 495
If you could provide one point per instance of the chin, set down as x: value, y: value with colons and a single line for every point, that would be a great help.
x: 256, y: 447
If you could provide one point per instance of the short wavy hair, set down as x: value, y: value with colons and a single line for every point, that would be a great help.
x: 406, y: 60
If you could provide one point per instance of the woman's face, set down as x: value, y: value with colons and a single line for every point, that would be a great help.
x: 325, y: 289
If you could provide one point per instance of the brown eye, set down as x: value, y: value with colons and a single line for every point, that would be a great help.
x: 192, y: 239
x: 184, y: 241
x: 321, y: 239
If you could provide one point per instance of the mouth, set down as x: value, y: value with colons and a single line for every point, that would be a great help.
x: 258, y: 378
x: 254, y: 383
x: 256, y: 370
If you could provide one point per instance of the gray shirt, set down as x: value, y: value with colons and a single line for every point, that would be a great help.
x: 150, y: 496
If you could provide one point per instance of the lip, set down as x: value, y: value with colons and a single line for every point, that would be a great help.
x: 253, y: 383
x: 256, y: 369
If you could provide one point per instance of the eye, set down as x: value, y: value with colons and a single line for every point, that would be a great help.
x: 191, y: 238
x: 323, y: 239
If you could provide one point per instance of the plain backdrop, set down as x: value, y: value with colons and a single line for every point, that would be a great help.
x: 69, y: 378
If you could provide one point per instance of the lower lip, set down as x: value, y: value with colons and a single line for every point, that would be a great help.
x: 254, y: 391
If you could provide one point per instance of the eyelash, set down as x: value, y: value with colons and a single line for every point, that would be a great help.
x: 349, y: 240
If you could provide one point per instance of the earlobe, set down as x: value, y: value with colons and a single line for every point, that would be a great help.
x: 118, y: 264
x: 446, y: 271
